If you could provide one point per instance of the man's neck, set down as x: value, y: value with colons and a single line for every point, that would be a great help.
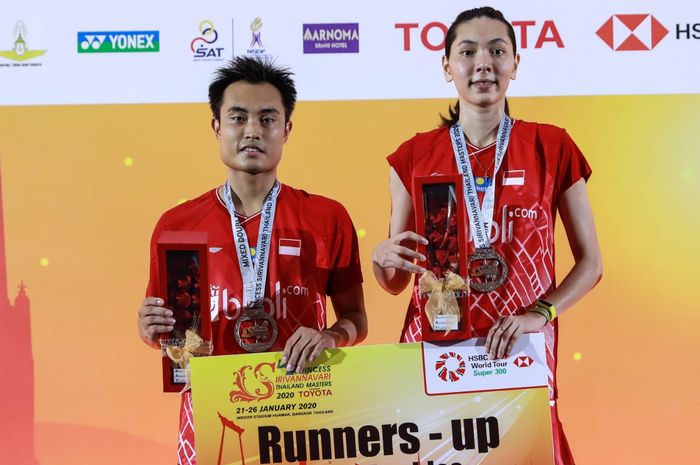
x: 480, y: 124
x: 249, y: 190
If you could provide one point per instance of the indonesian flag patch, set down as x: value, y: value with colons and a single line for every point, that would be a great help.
x: 514, y: 178
x: 290, y: 247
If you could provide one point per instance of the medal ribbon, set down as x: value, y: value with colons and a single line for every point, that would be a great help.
x: 253, y: 270
x: 480, y: 217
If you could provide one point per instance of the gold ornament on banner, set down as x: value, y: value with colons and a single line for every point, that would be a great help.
x: 257, y: 387
x: 441, y: 300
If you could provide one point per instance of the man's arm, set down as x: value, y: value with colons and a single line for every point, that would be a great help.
x: 306, y: 344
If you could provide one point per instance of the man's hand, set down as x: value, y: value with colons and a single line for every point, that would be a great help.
x: 350, y: 328
x: 305, y: 345
x: 154, y: 319
x: 503, y: 334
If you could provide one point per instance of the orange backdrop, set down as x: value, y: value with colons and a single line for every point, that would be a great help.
x: 84, y: 185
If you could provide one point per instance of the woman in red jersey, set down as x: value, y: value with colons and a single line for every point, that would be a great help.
x: 522, y: 173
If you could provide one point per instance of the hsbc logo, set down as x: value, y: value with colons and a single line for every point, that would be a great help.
x: 632, y: 32
x: 635, y: 32
x: 523, y: 361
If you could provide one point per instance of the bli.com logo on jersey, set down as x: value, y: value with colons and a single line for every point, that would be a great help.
x: 118, y: 41
x: 221, y: 301
x: 507, y: 219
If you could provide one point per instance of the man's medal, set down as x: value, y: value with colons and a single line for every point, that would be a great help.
x: 255, y: 330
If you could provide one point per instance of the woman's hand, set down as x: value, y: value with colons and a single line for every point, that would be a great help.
x: 503, y: 334
x: 393, y: 253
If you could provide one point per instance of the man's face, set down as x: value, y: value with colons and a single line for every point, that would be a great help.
x: 251, y: 130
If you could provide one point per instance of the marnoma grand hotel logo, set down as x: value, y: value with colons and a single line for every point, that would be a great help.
x: 632, y: 32
x: 20, y: 50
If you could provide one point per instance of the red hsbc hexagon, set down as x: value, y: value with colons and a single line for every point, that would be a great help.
x: 523, y: 361
x: 632, y: 32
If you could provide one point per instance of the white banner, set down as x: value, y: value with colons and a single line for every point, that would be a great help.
x: 465, y: 367
x: 73, y: 52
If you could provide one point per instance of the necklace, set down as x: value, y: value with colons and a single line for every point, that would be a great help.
x: 482, y: 182
x: 475, y: 156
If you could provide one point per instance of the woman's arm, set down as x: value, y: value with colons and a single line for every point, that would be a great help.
x: 577, y: 217
x: 393, y: 258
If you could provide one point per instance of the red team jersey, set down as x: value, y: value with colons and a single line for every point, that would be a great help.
x: 541, y: 162
x: 314, y: 253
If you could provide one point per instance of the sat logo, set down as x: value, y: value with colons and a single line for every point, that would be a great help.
x: 203, y: 47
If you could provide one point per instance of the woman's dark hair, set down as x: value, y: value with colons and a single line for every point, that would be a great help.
x: 463, y: 17
x: 254, y: 71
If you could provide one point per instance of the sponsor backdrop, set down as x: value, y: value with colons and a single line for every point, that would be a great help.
x: 104, y: 126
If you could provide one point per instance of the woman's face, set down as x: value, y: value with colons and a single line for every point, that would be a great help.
x: 481, y: 62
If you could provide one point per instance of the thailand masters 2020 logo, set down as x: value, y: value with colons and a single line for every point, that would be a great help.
x: 450, y: 367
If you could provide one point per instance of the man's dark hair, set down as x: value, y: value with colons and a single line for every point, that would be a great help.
x: 463, y: 17
x: 254, y: 71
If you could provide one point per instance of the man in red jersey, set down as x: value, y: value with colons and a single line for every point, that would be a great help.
x: 292, y: 249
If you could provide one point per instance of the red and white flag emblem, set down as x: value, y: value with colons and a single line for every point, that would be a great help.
x: 514, y: 178
x: 632, y: 32
x: 523, y: 361
x: 290, y: 247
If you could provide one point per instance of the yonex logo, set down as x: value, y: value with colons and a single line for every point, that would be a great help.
x: 632, y: 32
x: 118, y: 41
x: 91, y: 41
